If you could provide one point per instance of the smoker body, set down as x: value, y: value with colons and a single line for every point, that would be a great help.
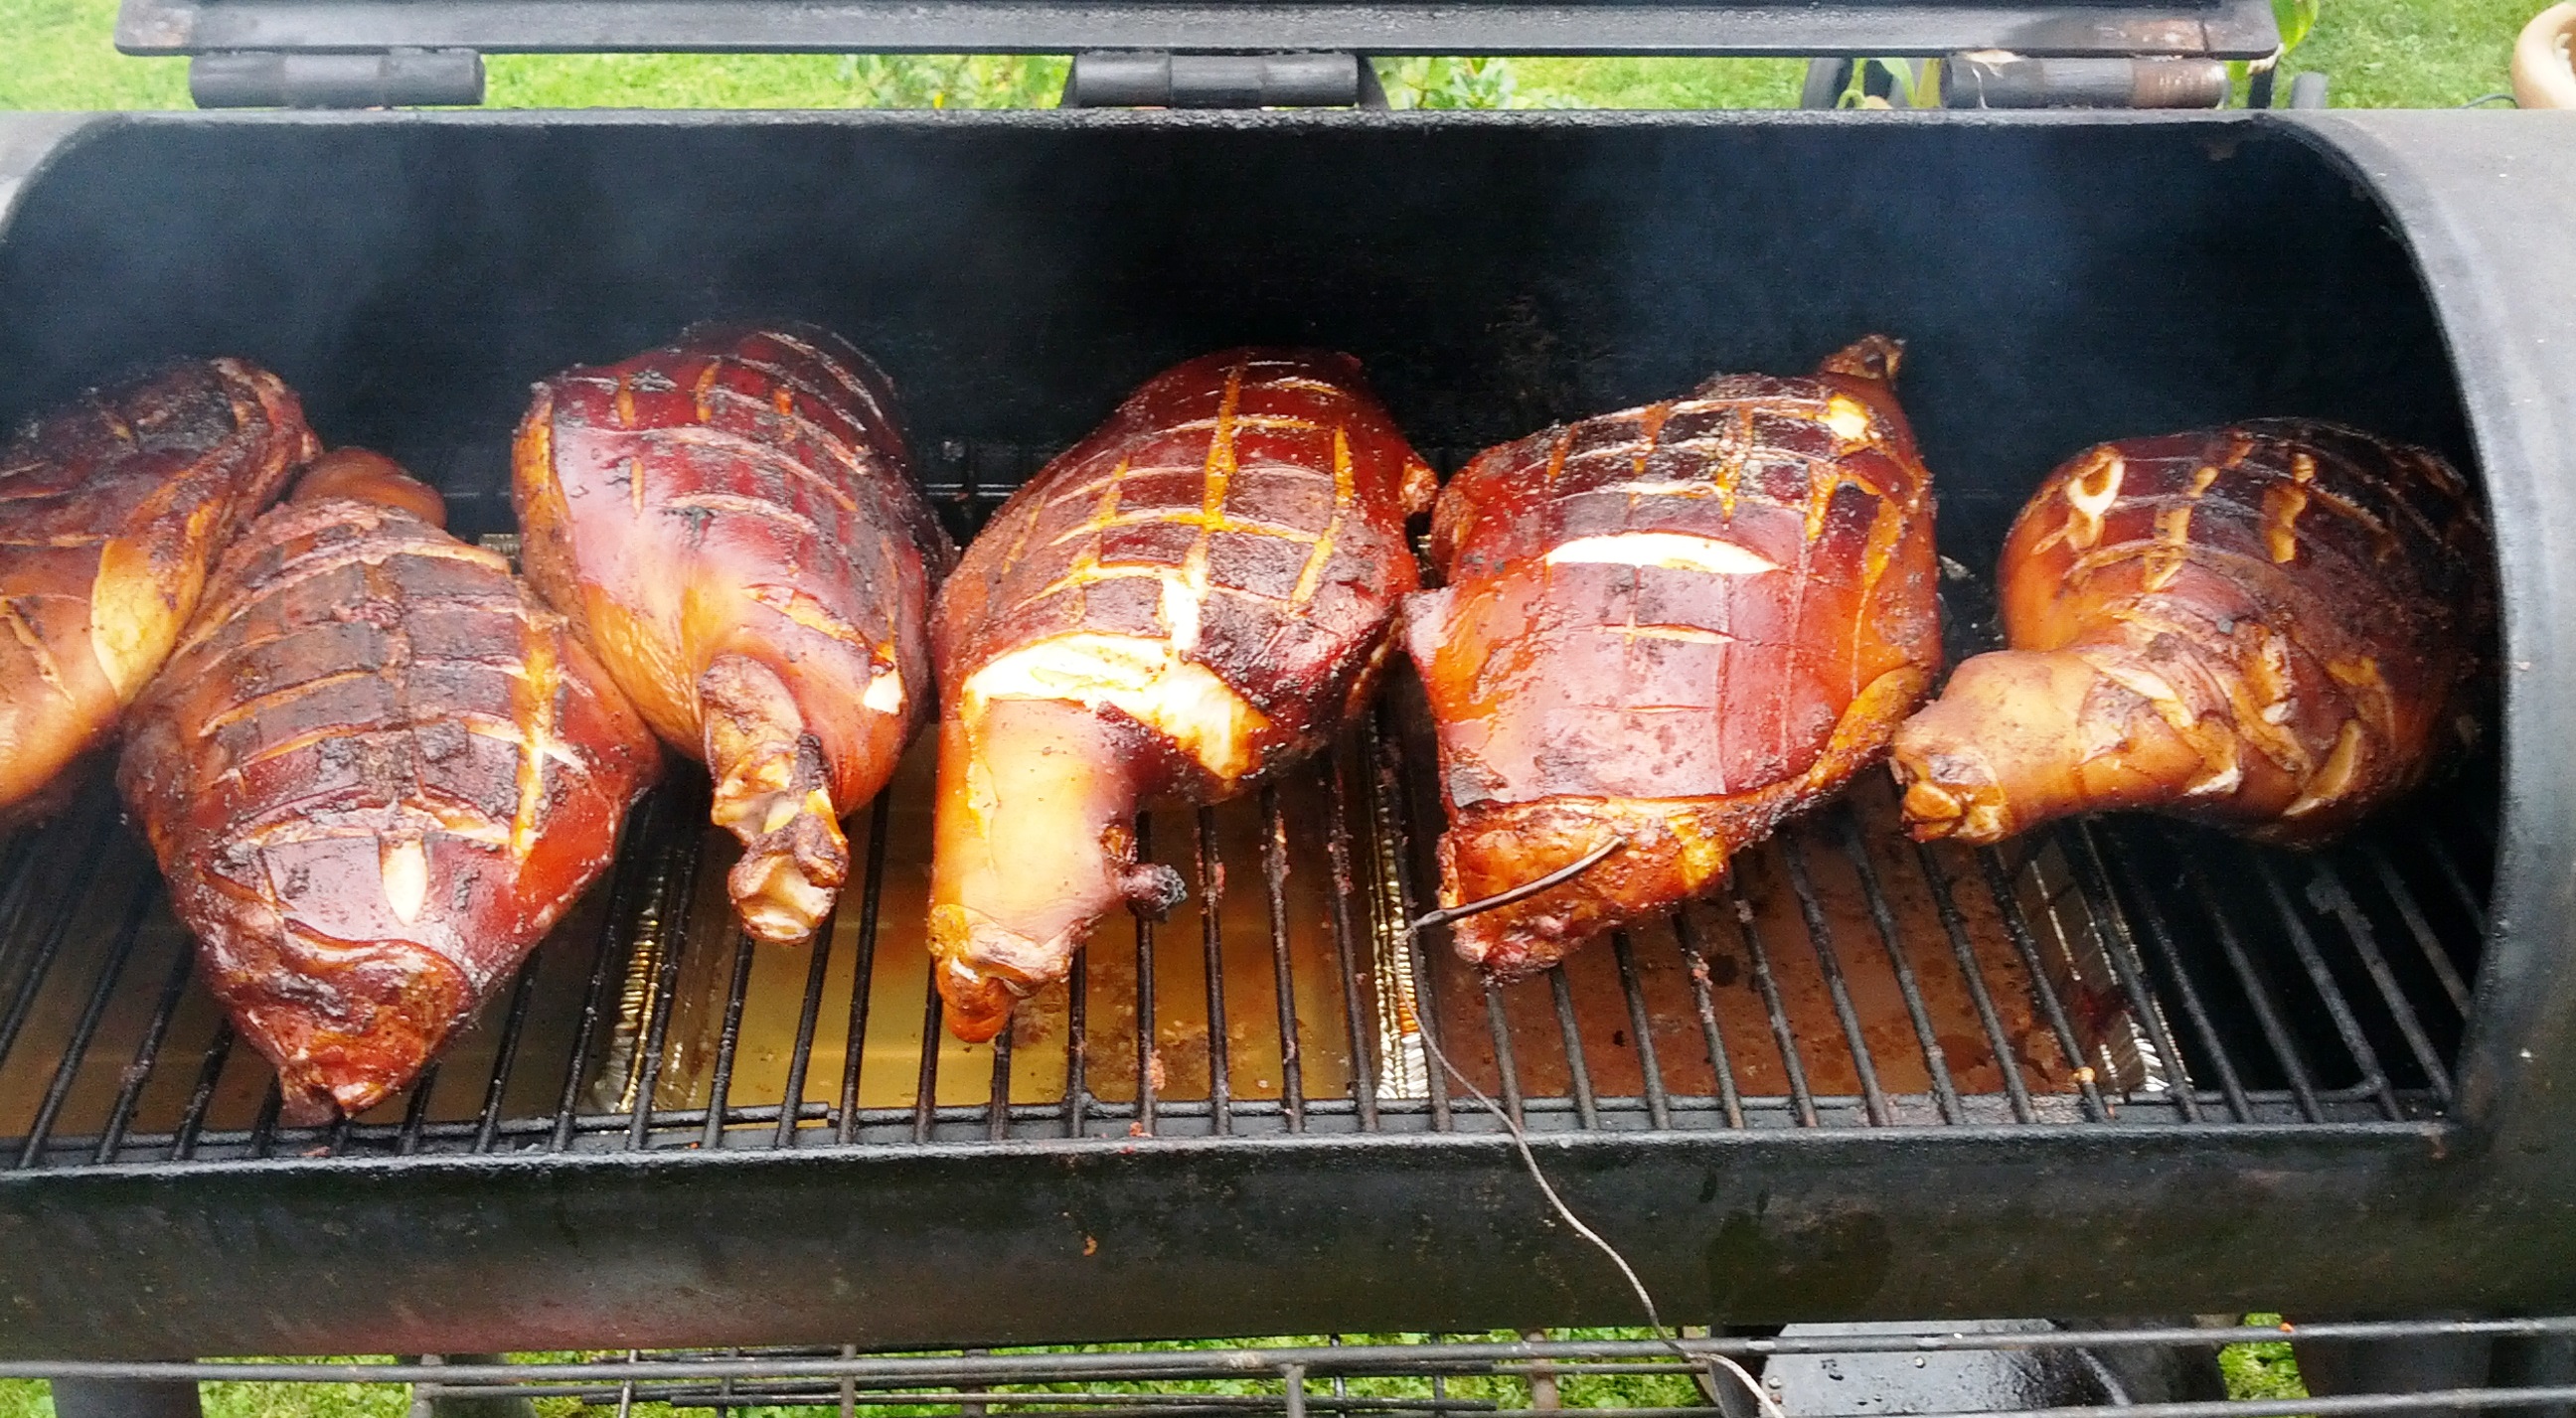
x: 2060, y: 279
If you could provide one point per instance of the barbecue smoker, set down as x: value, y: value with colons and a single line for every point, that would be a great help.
x: 2119, y: 1068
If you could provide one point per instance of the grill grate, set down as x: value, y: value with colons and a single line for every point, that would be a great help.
x: 2017, y: 1367
x: 2127, y: 970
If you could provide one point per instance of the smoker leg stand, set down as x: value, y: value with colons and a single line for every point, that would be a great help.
x: 2421, y: 1365
x: 124, y: 1398
x: 2535, y: 1363
x: 428, y: 1400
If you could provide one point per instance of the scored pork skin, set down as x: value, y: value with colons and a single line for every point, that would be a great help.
x: 733, y: 525
x: 1671, y: 626
x: 1190, y: 599
x: 2268, y: 626
x: 112, y: 508
x: 375, y: 773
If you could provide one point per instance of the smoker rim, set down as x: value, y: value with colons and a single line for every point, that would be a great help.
x: 2482, y: 259
x: 2479, y: 1198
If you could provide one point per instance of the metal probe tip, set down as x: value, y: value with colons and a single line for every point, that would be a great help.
x: 1522, y: 892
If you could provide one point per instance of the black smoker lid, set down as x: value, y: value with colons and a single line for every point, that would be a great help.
x: 2211, y: 28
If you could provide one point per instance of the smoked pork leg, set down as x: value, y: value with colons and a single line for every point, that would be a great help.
x: 1669, y: 628
x: 1182, y: 605
x: 2269, y: 627
x: 375, y: 772
x: 733, y: 525
x: 112, y: 509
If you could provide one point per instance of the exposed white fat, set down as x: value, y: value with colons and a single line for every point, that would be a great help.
x: 1678, y: 551
x: 2092, y: 492
x: 1145, y: 679
x: 1180, y: 614
x: 1847, y: 418
x: 406, y: 870
x: 885, y: 692
x: 133, y: 617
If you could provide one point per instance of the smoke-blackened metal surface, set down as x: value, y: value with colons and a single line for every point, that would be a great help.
x: 2070, y: 1076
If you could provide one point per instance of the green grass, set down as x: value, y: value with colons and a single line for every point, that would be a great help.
x: 2377, y: 53
x: 2414, y: 53
x: 22, y: 1399
x: 2262, y: 1370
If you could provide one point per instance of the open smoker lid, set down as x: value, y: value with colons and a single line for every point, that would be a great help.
x: 2227, y: 29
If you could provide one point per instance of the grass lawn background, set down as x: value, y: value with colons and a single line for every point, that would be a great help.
x: 56, y: 54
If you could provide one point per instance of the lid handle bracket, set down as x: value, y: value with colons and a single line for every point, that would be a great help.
x: 1153, y: 78
x: 394, y: 78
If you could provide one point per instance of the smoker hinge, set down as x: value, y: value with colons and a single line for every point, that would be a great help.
x: 399, y: 78
x: 1152, y: 78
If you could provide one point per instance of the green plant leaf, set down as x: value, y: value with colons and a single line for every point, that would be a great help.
x: 2296, y: 18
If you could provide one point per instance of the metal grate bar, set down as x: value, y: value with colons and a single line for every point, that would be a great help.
x: 925, y: 1080
x: 1077, y: 1045
x: 809, y: 1013
x: 1811, y: 909
x: 720, y: 1084
x: 1973, y: 972
x: 863, y: 970
x: 1650, y: 1072
x: 1362, y: 1052
x: 1393, y: 816
x: 997, y: 1095
x: 977, y: 1376
x: 1274, y: 880
x: 2258, y: 994
x: 513, y: 1028
x: 647, y: 829
x: 2448, y: 868
x: 2111, y: 928
x: 1695, y: 963
x: 2326, y: 889
x: 68, y: 1066
x: 2436, y: 958
x: 1578, y: 1072
x: 147, y: 1052
x: 183, y: 1142
x: 1148, y: 1059
x: 1791, y: 1067
x: 17, y: 869
x: 263, y: 1129
x: 41, y: 963
x: 2160, y: 936
x: 1999, y: 885
x: 416, y: 1114
x: 678, y: 886
x: 1507, y: 1072
x: 1211, y: 870
x: 2374, y: 1078
x: 17, y: 895
x: 1936, y: 1062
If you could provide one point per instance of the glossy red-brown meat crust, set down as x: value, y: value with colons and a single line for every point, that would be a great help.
x: 1245, y: 510
x: 733, y: 524
x: 375, y: 772
x: 2267, y: 627
x: 112, y: 508
x: 1782, y: 622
